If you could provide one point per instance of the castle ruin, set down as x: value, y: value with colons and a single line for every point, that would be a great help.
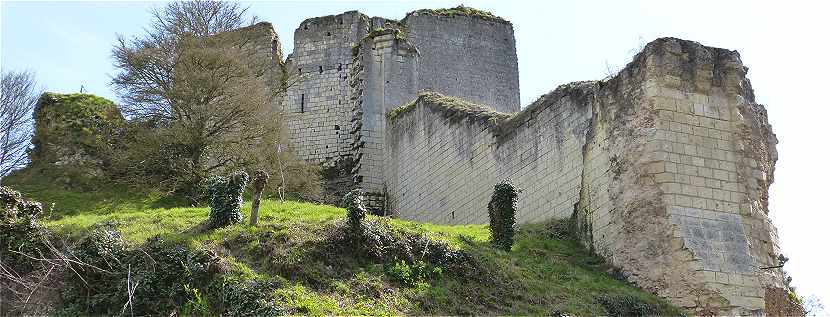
x: 665, y: 166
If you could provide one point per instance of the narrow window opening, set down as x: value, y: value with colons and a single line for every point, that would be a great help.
x: 302, y: 103
x: 339, y: 67
x: 321, y: 69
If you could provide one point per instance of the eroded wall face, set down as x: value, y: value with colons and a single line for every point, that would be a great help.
x: 666, y: 167
x: 317, y: 110
x: 714, y: 154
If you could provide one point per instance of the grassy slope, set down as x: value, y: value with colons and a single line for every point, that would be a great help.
x: 541, y: 275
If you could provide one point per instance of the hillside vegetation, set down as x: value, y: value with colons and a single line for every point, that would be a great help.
x: 297, y: 261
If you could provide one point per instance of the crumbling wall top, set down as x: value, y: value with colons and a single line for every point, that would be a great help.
x: 459, y: 11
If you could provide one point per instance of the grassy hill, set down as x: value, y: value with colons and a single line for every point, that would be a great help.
x: 294, y: 262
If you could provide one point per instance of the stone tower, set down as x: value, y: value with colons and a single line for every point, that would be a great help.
x: 353, y: 69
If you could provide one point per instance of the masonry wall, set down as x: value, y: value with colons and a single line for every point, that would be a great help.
x: 318, y: 110
x: 460, y: 56
x: 387, y: 67
x: 665, y: 166
x: 442, y: 165
x: 466, y: 56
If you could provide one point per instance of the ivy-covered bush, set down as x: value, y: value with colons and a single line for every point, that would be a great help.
x: 103, y: 248
x: 502, y: 211
x: 381, y: 242
x: 355, y: 212
x: 226, y: 199
x: 162, y: 275
x: 233, y: 296
x: 20, y: 233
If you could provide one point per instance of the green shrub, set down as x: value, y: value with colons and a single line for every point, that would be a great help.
x: 502, y: 211
x: 235, y: 297
x: 197, y: 304
x: 355, y: 212
x: 226, y: 199
x: 379, y: 243
x: 412, y: 274
x: 103, y: 248
x: 626, y: 305
x: 160, y: 274
x: 20, y: 233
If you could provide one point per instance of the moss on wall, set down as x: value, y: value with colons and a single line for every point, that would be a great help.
x: 452, y: 108
x: 460, y: 11
x: 74, y: 133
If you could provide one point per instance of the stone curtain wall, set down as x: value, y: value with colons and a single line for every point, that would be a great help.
x: 666, y: 166
x: 318, y: 110
x: 446, y: 154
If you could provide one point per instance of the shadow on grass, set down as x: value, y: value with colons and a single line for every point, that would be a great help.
x: 91, y: 199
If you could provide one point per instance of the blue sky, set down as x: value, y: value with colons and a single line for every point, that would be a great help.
x: 786, y: 48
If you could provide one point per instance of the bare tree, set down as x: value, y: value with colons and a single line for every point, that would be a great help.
x: 18, y: 97
x: 193, y: 74
x: 147, y: 63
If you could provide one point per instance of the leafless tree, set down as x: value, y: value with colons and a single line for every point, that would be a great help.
x: 147, y: 63
x: 199, y: 80
x: 18, y: 97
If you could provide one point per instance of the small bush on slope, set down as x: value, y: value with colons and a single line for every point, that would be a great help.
x: 226, y: 199
x: 502, y: 212
x: 157, y: 273
x: 20, y: 232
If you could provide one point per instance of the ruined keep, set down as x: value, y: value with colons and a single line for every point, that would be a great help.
x: 665, y: 167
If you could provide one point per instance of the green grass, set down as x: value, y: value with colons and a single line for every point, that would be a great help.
x: 542, y: 274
